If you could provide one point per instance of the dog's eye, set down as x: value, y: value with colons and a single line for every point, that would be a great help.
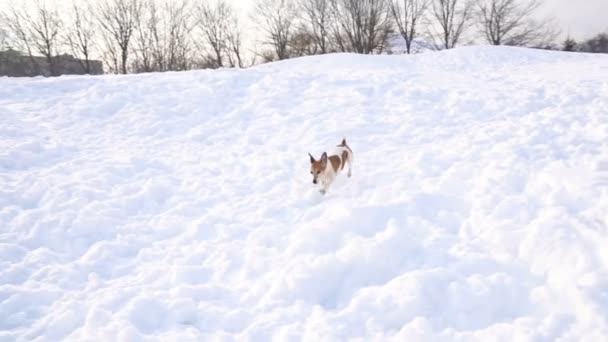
x: 318, y: 172
x: 311, y: 172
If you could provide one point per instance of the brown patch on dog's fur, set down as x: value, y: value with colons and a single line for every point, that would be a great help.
x: 317, y: 167
x: 335, y: 162
x: 344, y: 158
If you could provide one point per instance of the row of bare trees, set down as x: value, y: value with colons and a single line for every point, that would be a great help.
x: 304, y: 27
x: 171, y: 35
x: 595, y: 44
x: 297, y: 27
x: 165, y: 35
x: 129, y: 35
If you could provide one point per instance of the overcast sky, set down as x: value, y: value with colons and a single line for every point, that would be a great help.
x: 582, y: 18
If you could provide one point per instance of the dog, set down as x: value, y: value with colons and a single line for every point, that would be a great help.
x: 325, y: 170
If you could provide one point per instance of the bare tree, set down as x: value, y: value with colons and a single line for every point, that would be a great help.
x: 302, y: 43
x: 276, y: 19
x: 214, y: 22
x: 45, y: 30
x: 316, y: 15
x: 569, y: 44
x: 3, y: 35
x: 79, y: 36
x: 16, y: 21
x: 3, y: 46
x: 36, y: 28
x: 362, y: 26
x: 146, y: 25
x: 235, y: 43
x: 178, y: 35
x: 510, y: 22
x: 111, y: 54
x: 157, y: 39
x: 118, y: 19
x: 407, y: 15
x: 452, y: 17
x: 38, y: 32
x: 162, y: 40
x: 597, y: 44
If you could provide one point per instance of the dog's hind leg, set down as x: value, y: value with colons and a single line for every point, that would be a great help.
x: 350, y: 165
x: 347, y: 158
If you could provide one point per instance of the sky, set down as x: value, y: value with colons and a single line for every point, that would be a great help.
x: 581, y: 19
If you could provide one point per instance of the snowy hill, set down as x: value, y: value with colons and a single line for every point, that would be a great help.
x: 179, y: 207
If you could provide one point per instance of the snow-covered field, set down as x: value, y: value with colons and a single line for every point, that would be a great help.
x: 179, y: 206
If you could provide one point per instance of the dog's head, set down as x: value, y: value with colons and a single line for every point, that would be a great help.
x: 317, y: 167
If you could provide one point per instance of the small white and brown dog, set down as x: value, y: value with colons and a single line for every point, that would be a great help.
x: 325, y: 170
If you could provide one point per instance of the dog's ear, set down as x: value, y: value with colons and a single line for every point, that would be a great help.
x: 312, y: 159
x: 324, y: 158
x: 343, y: 141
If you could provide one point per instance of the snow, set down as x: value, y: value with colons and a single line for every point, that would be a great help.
x: 179, y: 207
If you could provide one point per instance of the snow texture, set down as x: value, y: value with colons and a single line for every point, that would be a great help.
x: 179, y: 206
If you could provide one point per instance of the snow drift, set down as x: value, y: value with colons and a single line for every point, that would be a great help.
x: 178, y: 206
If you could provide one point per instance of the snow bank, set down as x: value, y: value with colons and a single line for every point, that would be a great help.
x: 179, y: 207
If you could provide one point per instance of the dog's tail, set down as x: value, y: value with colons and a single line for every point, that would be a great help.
x: 343, y: 144
x: 346, y: 153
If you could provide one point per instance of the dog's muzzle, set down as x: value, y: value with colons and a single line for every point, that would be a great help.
x: 314, y: 181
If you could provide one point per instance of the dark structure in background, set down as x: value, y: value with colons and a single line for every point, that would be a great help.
x: 15, y: 64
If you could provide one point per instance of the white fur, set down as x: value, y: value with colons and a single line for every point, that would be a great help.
x: 326, y: 178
